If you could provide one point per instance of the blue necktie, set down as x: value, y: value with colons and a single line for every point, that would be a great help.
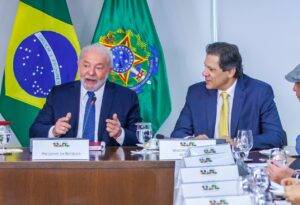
x: 89, y: 117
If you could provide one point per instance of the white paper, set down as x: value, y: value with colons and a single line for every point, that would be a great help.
x: 207, y: 189
x: 209, y: 160
x: 205, y: 150
x: 204, y: 174
x: 228, y: 200
x: 60, y: 149
x: 170, y: 149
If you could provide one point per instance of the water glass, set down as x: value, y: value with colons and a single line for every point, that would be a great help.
x: 5, y: 134
x: 265, y: 198
x: 143, y: 132
x: 279, y: 155
x: 261, y: 180
x: 242, y: 144
x: 246, y: 184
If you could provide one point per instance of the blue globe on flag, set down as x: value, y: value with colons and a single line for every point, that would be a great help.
x: 42, y: 60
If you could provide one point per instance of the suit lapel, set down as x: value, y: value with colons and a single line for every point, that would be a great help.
x: 238, y: 102
x: 107, y: 100
x: 211, y: 111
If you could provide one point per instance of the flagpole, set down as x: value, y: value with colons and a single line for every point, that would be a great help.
x: 214, y: 21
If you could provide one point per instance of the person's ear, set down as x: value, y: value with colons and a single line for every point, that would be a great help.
x: 232, y: 72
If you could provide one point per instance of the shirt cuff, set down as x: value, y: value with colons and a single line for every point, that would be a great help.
x: 50, y: 132
x: 121, y: 138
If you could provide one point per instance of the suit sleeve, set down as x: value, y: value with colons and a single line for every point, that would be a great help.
x: 44, y: 119
x: 133, y: 116
x: 184, y: 124
x: 273, y: 134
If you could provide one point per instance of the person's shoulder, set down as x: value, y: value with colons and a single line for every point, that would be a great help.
x: 65, y: 86
x: 121, y: 89
x: 255, y: 83
x: 197, y: 87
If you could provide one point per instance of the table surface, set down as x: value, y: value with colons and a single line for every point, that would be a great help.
x: 111, y: 177
x: 112, y: 157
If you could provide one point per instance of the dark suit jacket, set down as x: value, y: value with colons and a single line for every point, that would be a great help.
x: 65, y: 98
x: 253, y: 108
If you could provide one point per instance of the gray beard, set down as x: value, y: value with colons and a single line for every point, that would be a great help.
x: 99, y: 84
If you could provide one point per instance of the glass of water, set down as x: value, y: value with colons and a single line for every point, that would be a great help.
x: 260, y: 179
x: 279, y: 155
x: 242, y: 144
x: 143, y: 132
x: 5, y: 134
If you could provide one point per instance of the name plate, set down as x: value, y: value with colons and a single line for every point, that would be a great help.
x: 170, y: 149
x: 204, y: 174
x: 60, y: 149
x: 226, y: 200
x: 205, y: 150
x: 221, y: 188
x: 209, y: 160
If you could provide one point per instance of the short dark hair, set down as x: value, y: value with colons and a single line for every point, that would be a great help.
x: 229, y: 56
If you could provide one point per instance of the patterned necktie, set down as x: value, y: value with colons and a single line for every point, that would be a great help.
x: 223, y: 123
x: 88, y: 131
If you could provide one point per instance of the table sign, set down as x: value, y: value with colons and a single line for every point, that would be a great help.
x: 209, y: 160
x: 60, y: 149
x: 204, y: 174
x: 220, y: 188
x: 170, y: 149
x: 225, y: 200
x: 205, y: 150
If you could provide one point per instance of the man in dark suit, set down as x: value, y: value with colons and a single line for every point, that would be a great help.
x: 229, y: 100
x: 91, y: 108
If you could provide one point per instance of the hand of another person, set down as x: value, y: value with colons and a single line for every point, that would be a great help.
x: 113, y: 126
x: 201, y: 137
x: 277, y: 171
x: 289, y: 181
x: 62, y: 125
x: 292, y: 193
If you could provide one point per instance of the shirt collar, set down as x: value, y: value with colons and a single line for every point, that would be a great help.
x: 230, y: 90
x: 83, y: 91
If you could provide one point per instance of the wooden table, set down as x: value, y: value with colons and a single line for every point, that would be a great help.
x: 115, y: 177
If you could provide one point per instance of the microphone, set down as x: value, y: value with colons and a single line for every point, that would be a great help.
x: 93, y: 101
x: 160, y: 136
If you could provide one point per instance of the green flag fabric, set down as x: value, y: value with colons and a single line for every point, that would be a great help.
x: 42, y: 52
x: 126, y: 27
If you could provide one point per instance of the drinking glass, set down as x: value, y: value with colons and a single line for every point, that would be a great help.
x: 265, y: 198
x: 242, y: 144
x: 260, y: 179
x: 246, y: 183
x: 5, y: 135
x: 4, y: 140
x: 279, y: 155
x: 143, y: 132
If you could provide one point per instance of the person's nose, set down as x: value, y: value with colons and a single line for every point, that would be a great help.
x: 91, y: 71
x: 205, y: 73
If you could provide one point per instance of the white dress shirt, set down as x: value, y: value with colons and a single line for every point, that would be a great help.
x: 230, y: 92
x: 83, y: 99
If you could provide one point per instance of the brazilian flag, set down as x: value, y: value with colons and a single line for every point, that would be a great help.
x: 126, y: 27
x: 42, y: 52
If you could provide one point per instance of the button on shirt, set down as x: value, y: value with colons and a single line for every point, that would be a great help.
x: 230, y: 92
